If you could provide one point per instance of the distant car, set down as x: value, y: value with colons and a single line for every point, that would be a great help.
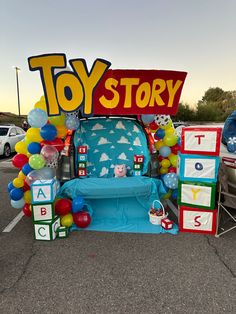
x: 9, y: 136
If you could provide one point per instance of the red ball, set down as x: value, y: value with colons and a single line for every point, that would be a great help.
x: 175, y: 149
x: 82, y: 219
x: 19, y: 160
x: 26, y: 210
x: 63, y: 206
x: 57, y: 143
x: 153, y: 125
x: 172, y: 169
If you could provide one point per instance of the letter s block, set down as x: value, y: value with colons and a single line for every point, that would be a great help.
x: 46, y: 230
x: 197, y: 220
x: 41, y: 212
x: 43, y: 191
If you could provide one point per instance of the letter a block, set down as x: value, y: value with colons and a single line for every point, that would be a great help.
x: 46, y: 230
x: 41, y: 212
x: 43, y: 191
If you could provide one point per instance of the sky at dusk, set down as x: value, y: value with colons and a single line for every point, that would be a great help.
x: 193, y: 36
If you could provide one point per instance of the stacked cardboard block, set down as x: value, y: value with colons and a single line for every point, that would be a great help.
x: 82, y: 161
x: 198, y: 169
x: 138, y: 165
x: 45, y: 221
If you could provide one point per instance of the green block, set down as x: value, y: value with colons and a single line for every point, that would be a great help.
x: 62, y: 232
x: 82, y: 165
x: 46, y: 230
x: 138, y: 166
x: 197, y: 195
x: 42, y: 212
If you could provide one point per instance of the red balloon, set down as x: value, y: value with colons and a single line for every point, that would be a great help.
x: 19, y: 160
x: 26, y: 187
x: 172, y: 169
x: 57, y: 143
x: 82, y: 219
x: 26, y: 210
x: 63, y: 206
x: 160, y: 158
x: 153, y: 125
x: 175, y: 149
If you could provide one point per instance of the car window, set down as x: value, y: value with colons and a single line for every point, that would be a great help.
x: 13, y: 132
x: 3, y: 131
x: 20, y: 131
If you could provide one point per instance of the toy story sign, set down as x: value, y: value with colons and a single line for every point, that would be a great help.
x: 104, y: 91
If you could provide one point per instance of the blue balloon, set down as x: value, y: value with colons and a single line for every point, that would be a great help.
x: 171, y: 180
x: 37, y: 118
x: 165, y: 151
x: 26, y: 169
x: 72, y: 122
x: 147, y: 118
x: 175, y: 194
x: 10, y: 186
x: 18, y: 204
x: 34, y: 148
x: 48, y: 132
x: 77, y: 204
x: 16, y: 194
x: 160, y: 133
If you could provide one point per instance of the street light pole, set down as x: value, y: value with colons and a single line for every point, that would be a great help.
x: 17, y: 87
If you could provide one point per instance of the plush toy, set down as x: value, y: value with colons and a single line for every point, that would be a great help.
x: 120, y: 171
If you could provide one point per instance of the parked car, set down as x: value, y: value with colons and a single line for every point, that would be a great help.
x: 9, y: 136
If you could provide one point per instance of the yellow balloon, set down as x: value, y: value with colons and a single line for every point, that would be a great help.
x: 33, y: 134
x: 159, y: 144
x: 67, y: 220
x: 21, y: 147
x: 27, y: 141
x: 29, y: 155
x: 21, y: 175
x: 167, y: 126
x: 173, y: 159
x: 27, y: 197
x: 169, y: 131
x: 58, y: 120
x: 167, y: 195
x: 165, y: 163
x: 163, y: 170
x: 41, y: 105
x: 61, y: 131
x: 18, y: 183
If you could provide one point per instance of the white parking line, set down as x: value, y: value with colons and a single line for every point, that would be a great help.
x: 12, y: 224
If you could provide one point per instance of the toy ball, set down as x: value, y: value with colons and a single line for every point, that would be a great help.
x: 58, y: 120
x: 10, y: 186
x: 57, y: 143
x: 48, y: 132
x: 37, y: 118
x: 49, y: 153
x: 72, y: 122
x: 21, y: 147
x: 19, y: 160
x: 63, y: 206
x: 33, y: 135
x: 16, y: 194
x: 67, y: 220
x: 18, y: 183
x: 170, y: 140
x: 27, y: 210
x: 160, y: 133
x: 147, y: 118
x: 77, y: 204
x: 162, y: 120
x: 82, y: 219
x: 171, y: 180
x: 18, y: 204
x: 165, y: 151
x: 36, y: 161
x: 34, y: 148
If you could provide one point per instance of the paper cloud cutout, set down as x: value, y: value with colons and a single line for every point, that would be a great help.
x: 93, y: 134
x: 130, y: 148
x: 120, y: 125
x: 111, y: 132
x: 112, y: 146
x: 104, y: 171
x: 103, y: 141
x: 104, y: 157
x: 135, y: 129
x: 122, y: 156
x: 96, y: 151
x: 137, y: 142
x: 98, y: 126
x: 123, y: 140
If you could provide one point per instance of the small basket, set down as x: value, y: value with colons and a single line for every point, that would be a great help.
x: 156, y: 220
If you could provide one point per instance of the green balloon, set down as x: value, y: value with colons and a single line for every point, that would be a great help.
x: 170, y: 140
x: 36, y: 161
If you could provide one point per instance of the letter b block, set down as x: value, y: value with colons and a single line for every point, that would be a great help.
x: 43, y: 191
x: 46, y: 230
x: 41, y: 212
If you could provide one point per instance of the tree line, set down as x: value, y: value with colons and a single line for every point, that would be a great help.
x: 216, y: 105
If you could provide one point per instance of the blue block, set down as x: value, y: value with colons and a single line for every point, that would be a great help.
x: 137, y: 172
x: 43, y: 191
x: 82, y: 157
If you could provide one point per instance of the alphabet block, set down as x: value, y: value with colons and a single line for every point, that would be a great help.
x: 137, y: 172
x: 138, y: 159
x: 82, y: 172
x: 82, y: 149
x: 138, y: 166
x: 82, y: 165
x: 43, y: 191
x: 82, y: 157
x: 197, y: 195
x: 41, y: 212
x: 203, y: 141
x: 62, y: 232
x: 46, y: 230
x: 197, y: 220
x: 198, y: 168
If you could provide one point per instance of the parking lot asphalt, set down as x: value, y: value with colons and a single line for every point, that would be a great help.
x: 98, y: 272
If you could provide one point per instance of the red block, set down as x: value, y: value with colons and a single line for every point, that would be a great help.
x: 139, y: 159
x: 82, y: 149
x: 167, y: 224
x: 82, y: 172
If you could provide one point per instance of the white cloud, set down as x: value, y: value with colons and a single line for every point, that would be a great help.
x: 104, y: 171
x: 120, y: 125
x: 111, y: 132
x: 103, y: 141
x: 90, y: 164
x: 135, y: 129
x: 93, y: 134
x: 96, y: 151
x: 130, y: 148
x: 123, y: 140
x: 122, y: 156
x: 137, y: 142
x: 98, y: 126
x: 104, y: 157
x: 112, y: 166
x: 82, y: 130
x: 94, y: 169
x: 108, y: 120
x: 129, y: 133
x: 112, y: 146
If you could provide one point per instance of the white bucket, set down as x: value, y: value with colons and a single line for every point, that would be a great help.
x: 156, y: 220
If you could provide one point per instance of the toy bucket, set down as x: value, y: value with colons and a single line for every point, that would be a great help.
x: 156, y: 220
